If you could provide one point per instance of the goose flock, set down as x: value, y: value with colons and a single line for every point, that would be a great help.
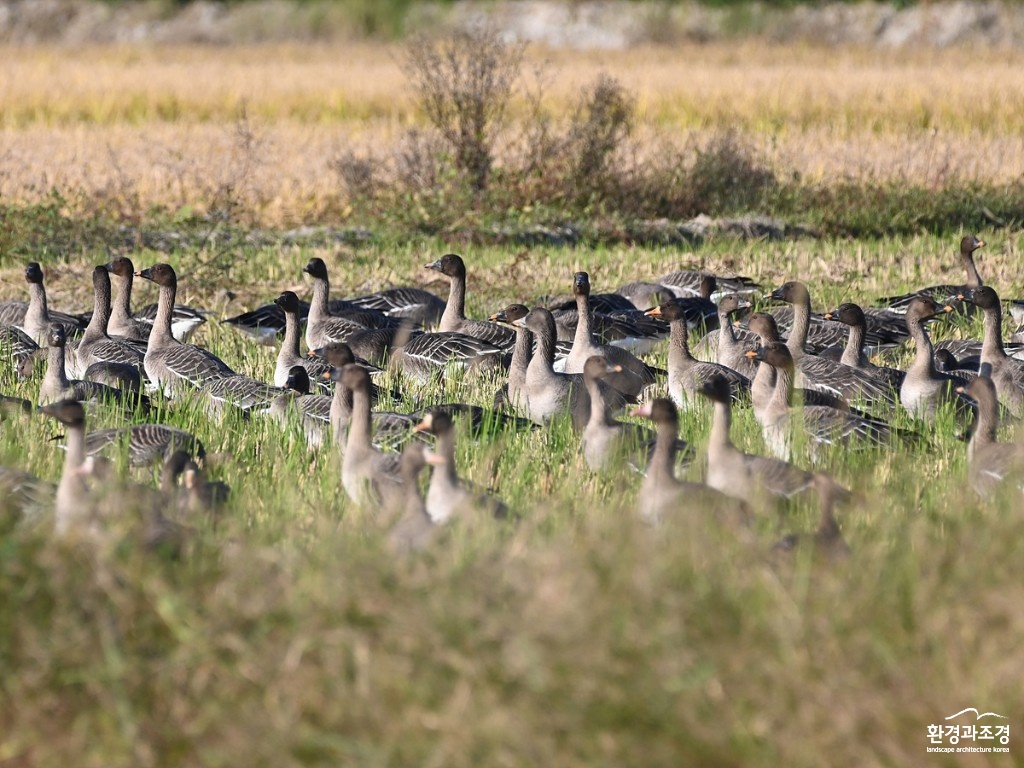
x: 811, y: 380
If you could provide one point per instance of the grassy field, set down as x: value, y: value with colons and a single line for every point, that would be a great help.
x: 289, y: 635
x: 576, y: 636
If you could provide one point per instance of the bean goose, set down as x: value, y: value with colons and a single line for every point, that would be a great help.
x: 314, y: 411
x: 662, y: 496
x: 1007, y: 374
x: 447, y: 495
x: 990, y: 464
x: 146, y: 443
x: 290, y: 355
x: 72, y: 508
x: 19, y: 348
x: 426, y: 355
x: 123, y: 322
x: 35, y: 317
x: 237, y: 391
x: 454, y: 319
x: 853, y: 355
x: 686, y: 375
x: 415, y: 529
x: 827, y: 541
x: 635, y: 375
x: 723, y: 345
x: 56, y: 385
x: 822, y: 424
x: 944, y: 294
x: 687, y: 282
x: 168, y: 362
x: 521, y: 353
x: 817, y: 372
x: 924, y: 389
x: 96, y: 346
x: 415, y: 305
x: 368, y: 475
x: 742, y: 475
x: 330, y: 321
x: 389, y: 429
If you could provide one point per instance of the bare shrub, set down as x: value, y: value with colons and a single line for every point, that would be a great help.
x: 463, y: 85
x: 600, y: 125
x: 727, y: 175
x: 358, y: 174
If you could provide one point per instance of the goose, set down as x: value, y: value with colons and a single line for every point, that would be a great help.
x: 289, y: 355
x: 368, y: 475
x: 946, y: 362
x: 827, y: 541
x: 96, y: 346
x: 415, y: 305
x: 614, y: 321
x: 549, y: 393
x: 990, y: 463
x: 123, y: 322
x: 146, y: 443
x: 23, y: 496
x: 635, y: 375
x: 604, y: 438
x: 169, y: 363
x: 202, y: 496
x: 454, y: 319
x: 851, y: 315
x: 663, y: 497
x: 35, y: 317
x: 237, y: 391
x: 117, y: 375
x: 817, y: 372
x: 72, y: 508
x: 884, y: 330
x: 415, y: 528
x: 521, y: 353
x: 15, y: 407
x: 314, y: 411
x: 924, y: 389
x: 19, y: 347
x: 56, y: 385
x: 742, y: 475
x: 1007, y: 374
x: 688, y: 283
x: 389, y: 429
x: 823, y: 424
x: 687, y: 375
x: 324, y: 324
x: 944, y: 294
x: 425, y: 356
x: 725, y: 345
x: 447, y: 495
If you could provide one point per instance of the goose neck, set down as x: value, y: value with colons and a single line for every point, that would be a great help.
x: 455, y: 309
x: 121, y: 310
x: 992, y: 342
x: 582, y: 338
x: 853, y: 353
x: 56, y: 375
x: 161, y: 332
x: 801, y: 327
x: 318, y: 311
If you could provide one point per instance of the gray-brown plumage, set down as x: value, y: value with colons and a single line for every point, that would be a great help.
x: 34, y: 318
x: 1007, y: 374
x: 827, y: 542
x: 57, y: 386
x: 369, y: 475
x: 991, y: 464
x: 138, y: 325
x: 662, y: 496
x: 290, y: 354
x: 945, y: 294
x: 313, y: 410
x: 146, y: 443
x: 454, y: 319
x: 96, y: 346
x: 687, y: 375
x: 725, y: 345
x: 522, y: 351
x: 414, y: 529
x: 74, y: 510
x: 738, y: 474
x: 853, y: 316
x: 447, y: 495
x: 924, y: 389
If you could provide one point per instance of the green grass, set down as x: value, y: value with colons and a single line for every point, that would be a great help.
x: 289, y: 635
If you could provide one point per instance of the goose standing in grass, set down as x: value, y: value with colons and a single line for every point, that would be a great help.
x: 521, y: 353
x: 1007, y: 374
x: 924, y: 389
x: 137, y: 326
x: 17, y: 346
x: 738, y: 474
x: 415, y: 305
x: 56, y: 385
x: 415, y: 528
x: 314, y: 411
x: 688, y: 283
x: 827, y: 541
x: 146, y: 443
x: 635, y: 375
x: 944, y: 294
x: 369, y: 475
x: 447, y: 495
x: 96, y: 346
x: 686, y: 375
x: 35, y: 317
x: 820, y: 373
x: 290, y: 355
x: 169, y: 363
x: 990, y: 464
x: 389, y: 429
x: 604, y: 438
x: 662, y: 496
x: 823, y: 424
x: 72, y: 507
x: 726, y: 345
x: 853, y: 316
x: 454, y: 319
x: 237, y: 391
x: 329, y: 321
x: 425, y: 356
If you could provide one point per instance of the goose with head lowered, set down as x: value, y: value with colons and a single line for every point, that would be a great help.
x: 990, y: 463
x: 664, y: 497
x: 454, y: 319
x: 1007, y: 374
x: 742, y: 475
x: 635, y: 375
x: 686, y: 374
x: 170, y: 364
x: 137, y: 325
